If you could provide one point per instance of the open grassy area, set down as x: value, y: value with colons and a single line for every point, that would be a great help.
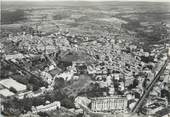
x: 81, y: 85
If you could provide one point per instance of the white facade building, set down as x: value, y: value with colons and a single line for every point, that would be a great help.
x: 112, y: 103
x: 48, y: 107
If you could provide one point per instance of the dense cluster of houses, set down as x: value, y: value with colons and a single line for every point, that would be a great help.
x: 123, y: 68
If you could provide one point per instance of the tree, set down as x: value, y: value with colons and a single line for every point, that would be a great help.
x: 21, y: 79
x: 165, y: 93
x: 59, y: 83
x: 43, y: 114
x: 135, y: 82
x: 38, y: 101
x: 27, y: 104
x: 68, y: 103
x: 80, y: 115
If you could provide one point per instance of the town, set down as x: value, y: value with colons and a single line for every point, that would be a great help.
x: 65, y: 74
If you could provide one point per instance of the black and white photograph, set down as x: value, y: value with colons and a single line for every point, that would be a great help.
x: 85, y: 58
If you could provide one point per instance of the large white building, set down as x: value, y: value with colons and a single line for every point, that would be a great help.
x: 8, y: 83
x: 108, y: 104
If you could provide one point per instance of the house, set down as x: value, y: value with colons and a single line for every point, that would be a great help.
x: 116, y: 76
x: 108, y: 104
x: 128, y: 80
x: 133, y: 47
x: 46, y: 77
x: 111, y: 90
x: 168, y: 66
x: 169, y: 52
x: 8, y: 83
x: 131, y: 103
x: 65, y: 75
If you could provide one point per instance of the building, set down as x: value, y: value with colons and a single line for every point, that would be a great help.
x: 81, y: 101
x: 46, y: 77
x: 128, y: 80
x: 4, y: 93
x: 49, y: 107
x: 108, y: 104
x: 80, y: 66
x: 22, y: 95
x: 169, y: 52
x: 29, y: 114
x: 8, y: 83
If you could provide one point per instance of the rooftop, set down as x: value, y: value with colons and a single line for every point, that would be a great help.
x: 18, y: 56
x: 6, y: 93
x: 12, y: 83
x: 109, y: 97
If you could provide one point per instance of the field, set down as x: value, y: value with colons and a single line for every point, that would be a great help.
x: 92, y: 19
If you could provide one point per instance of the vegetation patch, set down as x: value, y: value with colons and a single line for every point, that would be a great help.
x: 10, y: 17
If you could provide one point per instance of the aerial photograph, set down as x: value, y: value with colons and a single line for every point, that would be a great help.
x: 85, y: 58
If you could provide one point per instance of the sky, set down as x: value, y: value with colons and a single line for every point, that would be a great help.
x: 95, y: 0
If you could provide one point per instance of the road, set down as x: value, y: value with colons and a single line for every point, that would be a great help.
x: 149, y: 88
